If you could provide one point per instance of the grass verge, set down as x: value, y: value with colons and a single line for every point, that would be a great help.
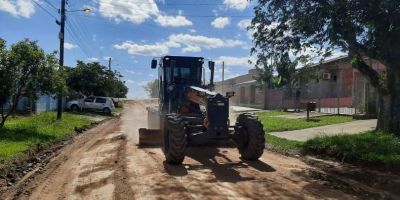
x: 276, y: 124
x: 282, y: 145
x: 22, y: 133
x: 370, y: 147
x: 119, y: 109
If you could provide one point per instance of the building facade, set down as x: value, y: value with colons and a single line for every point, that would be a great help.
x: 334, y: 85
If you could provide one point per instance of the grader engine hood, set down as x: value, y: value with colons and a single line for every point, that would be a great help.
x: 217, y: 116
x: 217, y: 111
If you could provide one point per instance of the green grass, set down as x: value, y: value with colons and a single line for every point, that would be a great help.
x: 272, y: 113
x: 370, y: 147
x: 21, y: 133
x: 275, y: 124
x: 118, y: 110
x: 282, y: 145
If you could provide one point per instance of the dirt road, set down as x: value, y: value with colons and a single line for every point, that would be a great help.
x: 105, y: 163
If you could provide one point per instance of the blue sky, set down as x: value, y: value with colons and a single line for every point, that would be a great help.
x: 132, y: 32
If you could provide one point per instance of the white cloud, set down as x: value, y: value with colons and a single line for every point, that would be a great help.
x: 138, y: 11
x: 190, y: 43
x: 18, y: 8
x: 69, y: 46
x: 135, y: 11
x: 192, y: 30
x: 191, y: 49
x: 142, y: 83
x: 143, y: 49
x: 203, y: 42
x: 93, y: 59
x: 237, y: 4
x: 131, y: 71
x: 139, y: 83
x: 129, y: 81
x: 231, y: 61
x: 243, y: 24
x: 174, y: 21
x: 220, y: 22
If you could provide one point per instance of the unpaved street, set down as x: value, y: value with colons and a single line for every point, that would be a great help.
x: 105, y: 163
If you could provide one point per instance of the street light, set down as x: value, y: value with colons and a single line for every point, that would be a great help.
x: 86, y: 10
x: 61, y: 60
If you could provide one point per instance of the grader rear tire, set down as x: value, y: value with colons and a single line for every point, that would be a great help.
x: 175, y: 139
x: 253, y: 133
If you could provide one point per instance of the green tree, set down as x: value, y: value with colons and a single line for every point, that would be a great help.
x: 364, y: 29
x: 284, y: 70
x: 95, y: 79
x: 26, y: 70
x: 151, y: 88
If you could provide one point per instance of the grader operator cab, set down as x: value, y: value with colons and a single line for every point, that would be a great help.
x: 191, y: 113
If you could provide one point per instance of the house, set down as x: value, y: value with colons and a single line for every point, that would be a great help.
x: 339, y: 88
x: 247, y: 92
x: 335, y: 86
x: 44, y: 103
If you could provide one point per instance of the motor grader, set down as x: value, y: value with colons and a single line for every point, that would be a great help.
x: 190, y: 112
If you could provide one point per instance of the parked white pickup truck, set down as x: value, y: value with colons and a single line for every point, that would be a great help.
x: 92, y: 103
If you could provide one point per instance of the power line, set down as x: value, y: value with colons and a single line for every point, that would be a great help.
x: 81, y: 37
x: 44, y: 9
x: 51, y: 5
x: 76, y: 39
x: 81, y: 28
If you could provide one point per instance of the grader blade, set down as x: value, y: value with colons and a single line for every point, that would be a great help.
x: 150, y: 137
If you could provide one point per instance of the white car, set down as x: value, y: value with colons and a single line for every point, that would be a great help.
x: 92, y: 103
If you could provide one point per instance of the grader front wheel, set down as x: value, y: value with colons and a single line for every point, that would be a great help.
x: 251, y: 141
x: 175, y: 139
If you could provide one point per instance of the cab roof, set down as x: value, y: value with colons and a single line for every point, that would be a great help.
x: 184, y: 58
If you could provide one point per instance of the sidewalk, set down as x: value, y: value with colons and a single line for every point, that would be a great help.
x: 244, y: 109
x: 353, y: 127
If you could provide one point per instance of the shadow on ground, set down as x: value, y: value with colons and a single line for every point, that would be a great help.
x: 223, y: 168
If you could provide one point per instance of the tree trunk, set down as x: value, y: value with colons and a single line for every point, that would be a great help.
x: 3, y: 121
x: 389, y: 104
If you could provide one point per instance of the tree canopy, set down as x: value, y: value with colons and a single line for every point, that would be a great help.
x: 151, y: 88
x: 95, y: 79
x: 306, y: 29
x: 25, y: 69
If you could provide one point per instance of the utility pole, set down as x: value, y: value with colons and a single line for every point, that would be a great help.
x: 223, y: 73
x: 61, y: 36
x: 109, y: 64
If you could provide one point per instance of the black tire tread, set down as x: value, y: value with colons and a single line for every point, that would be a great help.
x: 256, y: 141
x: 107, y: 111
x: 175, y: 154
